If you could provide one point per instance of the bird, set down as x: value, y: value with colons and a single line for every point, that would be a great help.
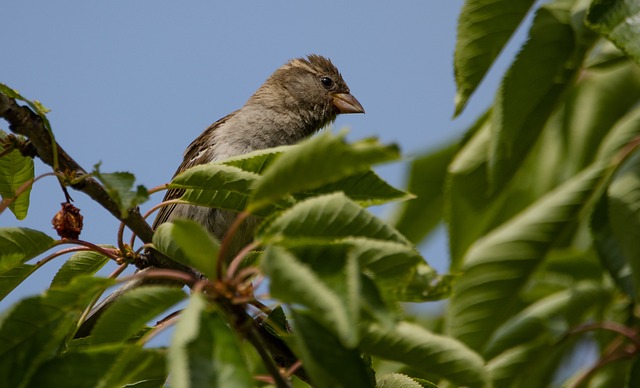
x: 296, y: 101
x: 299, y: 99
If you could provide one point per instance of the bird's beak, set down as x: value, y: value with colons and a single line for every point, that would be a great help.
x: 346, y: 103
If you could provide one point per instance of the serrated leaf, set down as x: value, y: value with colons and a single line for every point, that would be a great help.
x: 35, y: 329
x: 204, y: 351
x: 331, y: 289
x: 291, y: 171
x: 532, y: 87
x: 416, y: 218
x: 484, y: 27
x: 329, y: 363
x: 366, y: 189
x: 119, y: 185
x: 137, y: 367
x: 618, y: 20
x: 398, y: 380
x: 19, y: 245
x: 132, y: 310
x: 13, y: 277
x: 624, y: 216
x: 609, y: 249
x: 75, y: 369
x: 81, y: 263
x: 189, y: 243
x: 425, y: 351
x: 15, y: 170
x: 538, y: 317
x: 497, y: 266
x: 326, y: 218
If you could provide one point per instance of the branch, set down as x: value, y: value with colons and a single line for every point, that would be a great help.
x: 23, y: 121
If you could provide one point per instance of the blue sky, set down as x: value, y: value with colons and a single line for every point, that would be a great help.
x: 130, y: 84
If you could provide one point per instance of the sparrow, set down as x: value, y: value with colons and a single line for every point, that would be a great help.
x: 296, y: 101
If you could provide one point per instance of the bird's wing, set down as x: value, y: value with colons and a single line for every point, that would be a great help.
x: 193, y: 156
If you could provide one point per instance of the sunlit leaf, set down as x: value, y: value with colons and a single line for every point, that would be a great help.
x: 19, y: 245
x: 290, y: 172
x: 189, y: 243
x: 119, y: 185
x: 15, y: 171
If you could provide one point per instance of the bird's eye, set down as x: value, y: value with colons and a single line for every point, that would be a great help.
x: 326, y: 82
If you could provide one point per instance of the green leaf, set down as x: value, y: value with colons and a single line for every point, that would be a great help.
x: 484, y: 27
x: 546, y: 315
x: 618, y: 21
x: 119, y: 185
x: 290, y: 172
x: 397, y: 269
x: 137, y: 367
x: 215, y: 185
x: 366, y: 189
x: 326, y: 218
x: 329, y: 363
x: 78, y: 369
x: 497, y: 266
x: 19, y: 245
x: 418, y: 217
x: 132, y: 310
x: 40, y: 109
x: 36, y: 328
x: 470, y: 205
x: 330, y: 289
x: 598, y: 101
x: 13, y: 277
x: 623, y: 132
x: 425, y: 351
x: 204, y: 351
x: 624, y: 215
x: 532, y: 87
x: 189, y: 243
x: 609, y: 250
x: 81, y: 263
x: 398, y: 380
x: 15, y: 170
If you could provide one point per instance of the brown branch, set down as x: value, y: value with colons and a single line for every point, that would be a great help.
x: 23, y: 121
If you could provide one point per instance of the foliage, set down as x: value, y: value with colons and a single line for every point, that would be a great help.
x: 539, y: 198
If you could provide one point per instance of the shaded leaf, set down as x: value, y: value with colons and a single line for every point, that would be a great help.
x: 532, y: 87
x: 137, y: 367
x: 498, y: 265
x: 329, y: 363
x: 132, y: 310
x: 204, y: 351
x: 13, y: 277
x: 618, y: 20
x: 425, y: 351
x: 35, y: 329
x: 418, y: 217
x: 484, y: 27
x: 330, y: 289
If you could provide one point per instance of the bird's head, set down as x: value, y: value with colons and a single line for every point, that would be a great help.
x: 312, y: 88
